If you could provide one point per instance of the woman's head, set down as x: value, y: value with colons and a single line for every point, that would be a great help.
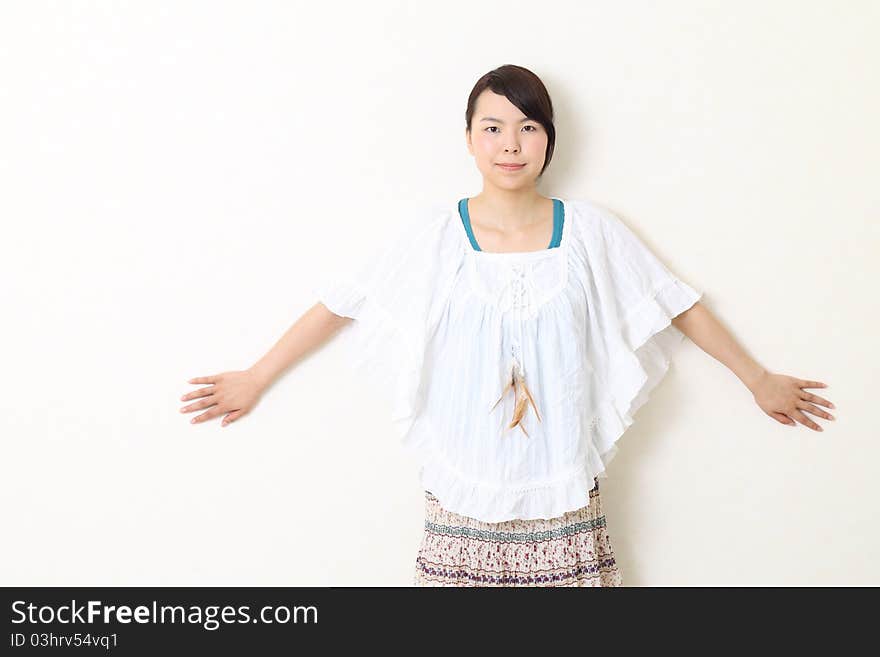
x: 509, y: 119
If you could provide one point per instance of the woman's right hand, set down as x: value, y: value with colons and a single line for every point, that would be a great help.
x: 234, y: 394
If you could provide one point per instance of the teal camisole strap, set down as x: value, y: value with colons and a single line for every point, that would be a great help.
x: 558, y: 219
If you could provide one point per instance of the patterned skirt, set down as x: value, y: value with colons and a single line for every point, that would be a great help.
x: 570, y: 550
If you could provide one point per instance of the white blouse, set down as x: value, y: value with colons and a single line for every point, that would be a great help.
x: 441, y: 326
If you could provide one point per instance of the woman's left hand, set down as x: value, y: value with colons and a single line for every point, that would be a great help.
x: 783, y: 398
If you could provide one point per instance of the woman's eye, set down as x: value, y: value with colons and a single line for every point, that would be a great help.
x: 495, y: 127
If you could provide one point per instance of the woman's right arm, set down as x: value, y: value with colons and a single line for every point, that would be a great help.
x: 236, y: 393
x: 307, y: 333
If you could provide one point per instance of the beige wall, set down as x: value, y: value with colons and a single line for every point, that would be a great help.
x: 175, y: 175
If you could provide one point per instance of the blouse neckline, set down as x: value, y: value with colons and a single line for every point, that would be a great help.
x: 561, y: 210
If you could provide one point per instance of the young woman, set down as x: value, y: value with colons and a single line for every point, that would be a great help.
x: 518, y: 335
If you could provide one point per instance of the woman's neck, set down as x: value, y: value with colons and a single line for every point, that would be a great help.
x: 509, y: 212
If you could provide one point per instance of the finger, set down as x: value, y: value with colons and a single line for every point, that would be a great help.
x: 207, y: 415
x: 803, y: 419
x: 231, y: 417
x: 204, y: 379
x: 197, y: 406
x: 201, y: 392
x: 815, y: 410
x: 816, y: 399
x: 811, y: 384
x: 782, y: 417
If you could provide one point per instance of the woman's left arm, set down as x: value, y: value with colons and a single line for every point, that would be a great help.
x: 781, y: 397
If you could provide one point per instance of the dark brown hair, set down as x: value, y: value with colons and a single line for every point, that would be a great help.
x: 525, y: 90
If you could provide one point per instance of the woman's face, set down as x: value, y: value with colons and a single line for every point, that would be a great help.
x: 501, y: 134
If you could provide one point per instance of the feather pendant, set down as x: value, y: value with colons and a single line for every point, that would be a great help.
x: 528, y: 394
x: 518, y: 412
x: 522, y: 397
x: 510, y: 383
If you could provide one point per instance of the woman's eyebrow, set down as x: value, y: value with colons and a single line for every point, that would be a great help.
x: 492, y: 118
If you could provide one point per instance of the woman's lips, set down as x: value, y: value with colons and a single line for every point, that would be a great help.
x: 511, y: 167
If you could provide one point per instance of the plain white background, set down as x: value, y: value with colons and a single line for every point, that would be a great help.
x: 175, y: 175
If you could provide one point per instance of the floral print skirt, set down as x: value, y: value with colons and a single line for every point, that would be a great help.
x: 570, y: 550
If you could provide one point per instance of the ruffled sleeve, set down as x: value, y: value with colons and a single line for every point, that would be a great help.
x: 638, y: 298
x: 392, y: 293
